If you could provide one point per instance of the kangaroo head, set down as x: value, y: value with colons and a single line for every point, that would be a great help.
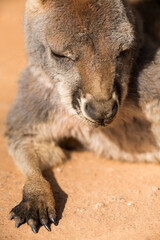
x: 87, y: 48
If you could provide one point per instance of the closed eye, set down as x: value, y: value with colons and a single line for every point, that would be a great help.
x: 123, y: 53
x: 63, y: 57
x: 58, y: 55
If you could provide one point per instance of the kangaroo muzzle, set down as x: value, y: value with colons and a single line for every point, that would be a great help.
x: 100, y: 111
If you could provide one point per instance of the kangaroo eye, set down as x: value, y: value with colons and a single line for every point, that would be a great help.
x: 123, y: 53
x: 67, y: 56
x: 58, y: 55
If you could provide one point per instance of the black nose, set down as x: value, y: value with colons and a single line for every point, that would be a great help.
x: 101, y: 112
x: 90, y: 110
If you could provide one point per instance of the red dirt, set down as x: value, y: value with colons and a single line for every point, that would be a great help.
x: 106, y: 200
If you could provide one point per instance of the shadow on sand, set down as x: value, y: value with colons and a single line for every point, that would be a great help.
x: 59, y: 195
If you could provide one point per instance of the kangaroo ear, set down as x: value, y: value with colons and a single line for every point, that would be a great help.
x: 35, y: 5
x: 36, y: 1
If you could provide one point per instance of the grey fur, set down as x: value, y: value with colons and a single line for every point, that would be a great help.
x: 37, y: 104
x: 91, y: 37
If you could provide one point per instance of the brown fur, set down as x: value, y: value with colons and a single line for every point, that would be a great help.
x: 82, y: 53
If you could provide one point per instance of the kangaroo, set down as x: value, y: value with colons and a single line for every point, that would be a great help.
x: 91, y: 76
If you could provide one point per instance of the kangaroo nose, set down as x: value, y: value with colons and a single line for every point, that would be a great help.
x: 101, y: 112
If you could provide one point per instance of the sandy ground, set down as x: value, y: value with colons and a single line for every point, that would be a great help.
x: 98, y: 199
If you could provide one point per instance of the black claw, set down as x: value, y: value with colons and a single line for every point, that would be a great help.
x: 47, y: 227
x: 11, y: 217
x: 34, y: 229
x: 17, y: 224
x: 54, y: 221
x: 44, y: 222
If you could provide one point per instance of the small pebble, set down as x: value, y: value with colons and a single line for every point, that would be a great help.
x: 130, y: 204
x: 120, y: 198
x: 100, y: 204
x: 80, y: 210
x: 154, y: 191
x: 59, y: 170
